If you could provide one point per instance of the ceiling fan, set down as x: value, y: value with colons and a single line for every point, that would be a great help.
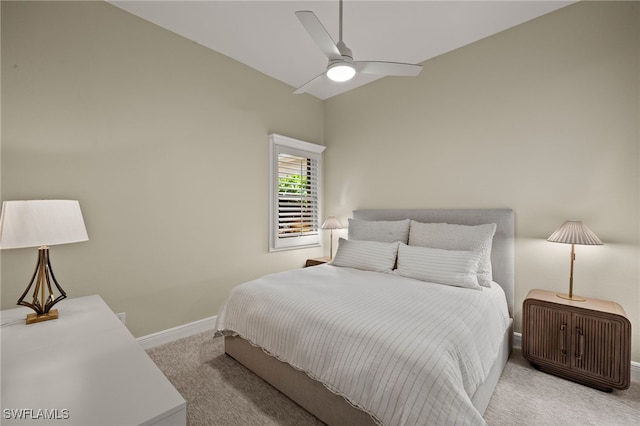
x: 341, y: 65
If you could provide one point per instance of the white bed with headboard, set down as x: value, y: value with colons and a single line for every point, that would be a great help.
x: 418, y: 335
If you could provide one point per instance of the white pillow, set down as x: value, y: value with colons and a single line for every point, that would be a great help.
x: 367, y: 255
x: 385, y: 231
x: 478, y: 238
x: 450, y: 267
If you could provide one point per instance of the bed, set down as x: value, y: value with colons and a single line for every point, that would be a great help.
x: 379, y: 348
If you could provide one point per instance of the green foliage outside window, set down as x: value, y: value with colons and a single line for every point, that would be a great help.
x: 292, y: 184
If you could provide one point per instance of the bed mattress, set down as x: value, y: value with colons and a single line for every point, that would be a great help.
x: 405, y: 351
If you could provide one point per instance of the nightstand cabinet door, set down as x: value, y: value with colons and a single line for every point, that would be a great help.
x: 548, y: 331
x: 598, y: 347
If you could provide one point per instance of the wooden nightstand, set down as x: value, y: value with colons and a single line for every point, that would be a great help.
x: 317, y: 261
x: 588, y: 342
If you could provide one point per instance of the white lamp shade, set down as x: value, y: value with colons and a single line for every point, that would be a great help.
x: 331, y: 223
x: 574, y: 232
x: 35, y: 223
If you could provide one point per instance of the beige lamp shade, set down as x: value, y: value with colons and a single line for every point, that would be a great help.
x: 574, y: 232
x: 35, y: 223
x: 331, y: 223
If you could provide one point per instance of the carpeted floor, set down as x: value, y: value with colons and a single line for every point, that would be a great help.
x: 219, y: 391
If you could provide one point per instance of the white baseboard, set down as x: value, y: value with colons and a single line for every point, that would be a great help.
x: 175, y: 333
x: 635, y: 370
x: 517, y: 340
x: 635, y: 366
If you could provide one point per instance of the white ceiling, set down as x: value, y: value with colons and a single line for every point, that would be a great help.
x: 267, y: 36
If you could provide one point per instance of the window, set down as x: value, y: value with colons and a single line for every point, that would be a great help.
x: 296, y: 170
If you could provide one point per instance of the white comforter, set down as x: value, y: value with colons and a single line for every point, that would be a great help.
x: 405, y: 351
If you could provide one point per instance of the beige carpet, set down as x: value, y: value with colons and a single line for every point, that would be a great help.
x: 219, y: 391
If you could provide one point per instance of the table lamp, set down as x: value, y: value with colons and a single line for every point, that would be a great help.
x: 41, y: 223
x: 331, y: 223
x: 573, y: 232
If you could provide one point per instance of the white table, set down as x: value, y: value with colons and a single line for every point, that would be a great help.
x: 85, y: 368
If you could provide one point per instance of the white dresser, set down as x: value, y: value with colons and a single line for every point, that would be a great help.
x: 84, y: 368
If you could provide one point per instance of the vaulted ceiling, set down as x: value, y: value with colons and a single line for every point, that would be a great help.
x: 267, y: 36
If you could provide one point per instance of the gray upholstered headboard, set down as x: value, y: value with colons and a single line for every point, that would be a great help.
x: 502, y: 253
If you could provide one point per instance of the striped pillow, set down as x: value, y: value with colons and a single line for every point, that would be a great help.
x: 450, y: 267
x: 477, y: 238
x: 366, y: 255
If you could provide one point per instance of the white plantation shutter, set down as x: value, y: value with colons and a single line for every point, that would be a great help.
x: 296, y: 168
x: 297, y: 196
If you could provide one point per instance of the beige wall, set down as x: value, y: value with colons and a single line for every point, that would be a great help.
x: 542, y: 118
x: 165, y: 145
x: 148, y: 131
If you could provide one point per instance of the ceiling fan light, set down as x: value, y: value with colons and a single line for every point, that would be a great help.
x: 341, y: 71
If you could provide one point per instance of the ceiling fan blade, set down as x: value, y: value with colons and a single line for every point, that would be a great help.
x: 311, y: 83
x: 388, y: 68
x: 319, y: 34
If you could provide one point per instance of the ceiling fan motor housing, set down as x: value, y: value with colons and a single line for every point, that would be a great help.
x: 344, y: 50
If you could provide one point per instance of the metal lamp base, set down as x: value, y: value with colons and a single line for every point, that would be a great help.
x: 572, y: 297
x: 43, y: 297
x: 33, y: 318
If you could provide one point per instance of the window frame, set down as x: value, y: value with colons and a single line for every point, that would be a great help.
x: 283, y: 144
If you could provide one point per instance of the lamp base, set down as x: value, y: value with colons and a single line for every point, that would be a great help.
x: 43, y: 297
x: 572, y: 297
x: 33, y: 318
